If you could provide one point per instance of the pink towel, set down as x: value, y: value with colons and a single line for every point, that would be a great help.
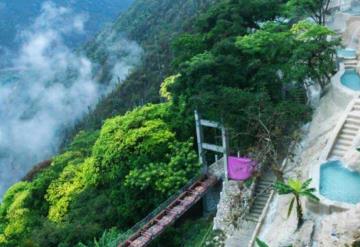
x: 240, y: 168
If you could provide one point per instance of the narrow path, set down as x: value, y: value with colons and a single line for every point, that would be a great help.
x: 262, y: 193
x: 347, y: 131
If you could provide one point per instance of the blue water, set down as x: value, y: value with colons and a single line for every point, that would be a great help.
x: 351, y: 79
x: 338, y: 183
x: 346, y: 53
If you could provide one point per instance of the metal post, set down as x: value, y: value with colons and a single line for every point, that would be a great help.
x: 225, y: 151
x: 199, y: 136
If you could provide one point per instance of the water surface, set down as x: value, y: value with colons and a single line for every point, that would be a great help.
x: 338, y: 183
x: 351, y: 79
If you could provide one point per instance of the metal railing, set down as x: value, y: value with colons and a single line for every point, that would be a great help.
x: 160, y: 208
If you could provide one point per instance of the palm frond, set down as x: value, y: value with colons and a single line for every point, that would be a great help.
x: 310, y: 195
x: 306, y: 184
x: 282, y: 188
x: 261, y: 243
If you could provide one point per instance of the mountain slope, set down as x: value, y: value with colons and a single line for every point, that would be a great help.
x: 153, y: 24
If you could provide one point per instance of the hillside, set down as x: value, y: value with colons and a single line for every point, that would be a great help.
x: 236, y: 61
x: 154, y: 25
x: 36, y: 219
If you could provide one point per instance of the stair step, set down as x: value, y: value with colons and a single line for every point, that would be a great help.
x: 262, y: 200
x: 346, y: 137
x: 259, y: 208
x: 261, y: 203
x: 356, y: 108
x: 354, y: 115
x: 353, y: 121
x: 351, y: 126
x: 253, y: 219
x: 256, y: 210
x: 344, y: 143
x: 265, y: 181
x: 262, y: 187
x: 349, y: 132
x: 340, y: 147
x: 337, y: 154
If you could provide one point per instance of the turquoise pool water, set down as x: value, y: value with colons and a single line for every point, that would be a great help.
x: 351, y: 79
x: 337, y: 183
x: 347, y: 53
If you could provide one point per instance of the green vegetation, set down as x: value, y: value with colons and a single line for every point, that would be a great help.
x: 316, y: 9
x: 261, y: 243
x: 298, y: 189
x: 135, y: 163
x: 236, y: 61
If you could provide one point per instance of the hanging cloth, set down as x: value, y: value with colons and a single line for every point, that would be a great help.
x: 240, y: 168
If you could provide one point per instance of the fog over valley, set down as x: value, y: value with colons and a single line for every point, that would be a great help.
x: 47, y: 85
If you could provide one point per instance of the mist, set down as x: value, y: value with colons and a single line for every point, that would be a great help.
x: 48, y: 87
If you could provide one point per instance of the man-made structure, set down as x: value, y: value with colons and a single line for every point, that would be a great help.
x: 341, y: 145
x: 344, y: 134
x: 252, y: 222
x: 338, y: 183
x: 143, y: 233
x: 156, y: 225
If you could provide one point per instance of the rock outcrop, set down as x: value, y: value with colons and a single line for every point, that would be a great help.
x: 340, y: 229
x: 304, y: 237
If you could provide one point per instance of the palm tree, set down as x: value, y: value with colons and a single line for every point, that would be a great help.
x: 298, y: 189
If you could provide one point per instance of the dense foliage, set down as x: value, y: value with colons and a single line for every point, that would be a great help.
x: 135, y: 162
x: 239, y: 62
x: 249, y: 68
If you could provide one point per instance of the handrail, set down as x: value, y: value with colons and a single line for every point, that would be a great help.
x: 261, y: 219
x: 161, y: 207
x: 265, y: 210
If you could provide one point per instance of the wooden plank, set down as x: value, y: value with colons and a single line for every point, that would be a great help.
x: 211, y: 147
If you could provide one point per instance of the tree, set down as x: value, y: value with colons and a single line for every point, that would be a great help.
x: 298, y: 189
x: 316, y: 9
x: 315, y: 52
x: 287, y: 56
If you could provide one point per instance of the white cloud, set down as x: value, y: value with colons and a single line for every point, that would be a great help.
x: 54, y: 88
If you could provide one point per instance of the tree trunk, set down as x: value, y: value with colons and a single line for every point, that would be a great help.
x: 279, y: 174
x: 299, y: 210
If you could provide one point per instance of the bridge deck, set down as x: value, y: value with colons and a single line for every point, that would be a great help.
x: 171, y: 213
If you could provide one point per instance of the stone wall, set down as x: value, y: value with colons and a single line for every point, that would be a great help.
x: 234, y: 202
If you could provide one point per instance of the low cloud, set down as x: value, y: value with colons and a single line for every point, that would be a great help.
x: 49, y: 87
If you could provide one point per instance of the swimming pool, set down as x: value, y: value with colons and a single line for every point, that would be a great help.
x: 351, y: 79
x: 337, y: 183
x: 346, y: 53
